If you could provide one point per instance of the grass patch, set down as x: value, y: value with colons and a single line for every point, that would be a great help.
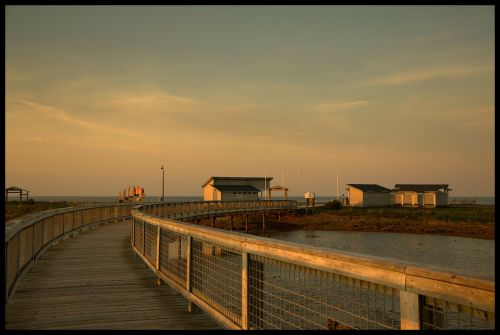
x: 15, y: 209
x: 479, y: 214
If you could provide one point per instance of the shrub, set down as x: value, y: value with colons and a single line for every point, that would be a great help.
x: 334, y: 204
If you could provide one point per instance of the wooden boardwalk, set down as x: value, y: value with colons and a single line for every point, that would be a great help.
x: 94, y: 281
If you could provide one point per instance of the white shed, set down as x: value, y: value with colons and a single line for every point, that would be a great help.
x: 368, y: 195
x: 234, y: 188
x: 427, y: 195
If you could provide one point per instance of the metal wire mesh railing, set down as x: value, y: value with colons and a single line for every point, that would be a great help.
x: 441, y: 314
x: 290, y: 296
x: 250, y: 282
x: 190, y: 209
x: 150, y: 242
x: 28, y: 237
x: 173, y: 258
x: 216, y: 277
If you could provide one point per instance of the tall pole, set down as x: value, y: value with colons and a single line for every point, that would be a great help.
x: 163, y: 184
x: 301, y: 180
x: 265, y: 184
x: 337, y: 184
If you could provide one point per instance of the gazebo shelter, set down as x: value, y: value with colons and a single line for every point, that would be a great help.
x: 14, y: 189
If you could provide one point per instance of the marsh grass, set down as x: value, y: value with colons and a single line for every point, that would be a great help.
x: 15, y: 209
x: 477, y: 214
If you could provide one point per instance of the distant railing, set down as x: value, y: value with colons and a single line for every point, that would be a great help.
x: 251, y: 282
x: 28, y: 237
x: 202, y: 209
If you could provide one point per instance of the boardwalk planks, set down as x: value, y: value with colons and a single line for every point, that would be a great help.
x: 94, y: 281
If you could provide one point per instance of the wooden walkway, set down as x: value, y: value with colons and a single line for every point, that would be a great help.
x: 94, y: 281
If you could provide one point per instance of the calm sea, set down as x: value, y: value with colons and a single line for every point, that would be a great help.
x: 319, y: 199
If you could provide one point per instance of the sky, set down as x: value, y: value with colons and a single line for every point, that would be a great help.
x: 100, y: 97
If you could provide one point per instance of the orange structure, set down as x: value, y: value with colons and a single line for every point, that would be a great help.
x: 134, y: 194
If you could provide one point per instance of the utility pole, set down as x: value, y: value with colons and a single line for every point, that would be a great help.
x: 301, y: 187
x: 265, y: 184
x: 163, y: 184
x: 337, y: 184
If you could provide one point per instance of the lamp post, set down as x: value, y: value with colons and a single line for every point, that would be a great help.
x: 163, y: 184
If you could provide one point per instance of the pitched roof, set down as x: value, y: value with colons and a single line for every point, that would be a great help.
x: 235, y: 178
x: 370, y: 187
x: 15, y: 188
x: 236, y: 188
x: 420, y: 188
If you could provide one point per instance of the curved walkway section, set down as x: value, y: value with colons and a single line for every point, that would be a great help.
x: 94, y: 281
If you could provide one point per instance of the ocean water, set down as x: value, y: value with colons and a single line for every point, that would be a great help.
x: 319, y: 199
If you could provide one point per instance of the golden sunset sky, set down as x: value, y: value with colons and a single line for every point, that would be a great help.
x: 99, y: 97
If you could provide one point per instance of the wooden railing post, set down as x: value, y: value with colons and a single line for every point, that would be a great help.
x: 143, y: 237
x: 18, y: 259
x: 410, y: 310
x: 132, y: 237
x: 244, y: 290
x: 157, y: 265
x: 188, y: 269
x: 33, y: 244
x: 158, y: 233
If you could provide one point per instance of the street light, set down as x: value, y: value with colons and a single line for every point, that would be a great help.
x: 163, y: 184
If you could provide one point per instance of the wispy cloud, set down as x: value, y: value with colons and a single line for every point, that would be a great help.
x: 150, y: 100
x: 67, y: 117
x: 336, y: 106
x: 429, y: 74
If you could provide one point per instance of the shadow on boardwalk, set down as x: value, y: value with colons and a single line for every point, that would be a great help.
x: 94, y: 281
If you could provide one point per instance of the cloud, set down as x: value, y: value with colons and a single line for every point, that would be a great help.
x: 336, y: 106
x: 429, y: 74
x: 151, y: 101
x: 68, y: 118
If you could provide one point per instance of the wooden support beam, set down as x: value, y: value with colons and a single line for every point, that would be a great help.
x: 244, y: 291
x: 246, y: 223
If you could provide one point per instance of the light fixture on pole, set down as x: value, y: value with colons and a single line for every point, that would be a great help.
x: 163, y: 184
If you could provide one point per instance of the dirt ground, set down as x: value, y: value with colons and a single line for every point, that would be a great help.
x: 332, y: 221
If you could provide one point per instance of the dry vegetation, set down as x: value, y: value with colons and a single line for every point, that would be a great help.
x: 476, y: 222
x: 15, y: 209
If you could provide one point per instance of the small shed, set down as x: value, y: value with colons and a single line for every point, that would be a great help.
x: 423, y: 195
x: 14, y: 189
x: 234, y: 188
x: 368, y: 195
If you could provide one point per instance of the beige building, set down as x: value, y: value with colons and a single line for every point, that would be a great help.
x: 368, y: 195
x: 235, y: 188
x: 426, y: 195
